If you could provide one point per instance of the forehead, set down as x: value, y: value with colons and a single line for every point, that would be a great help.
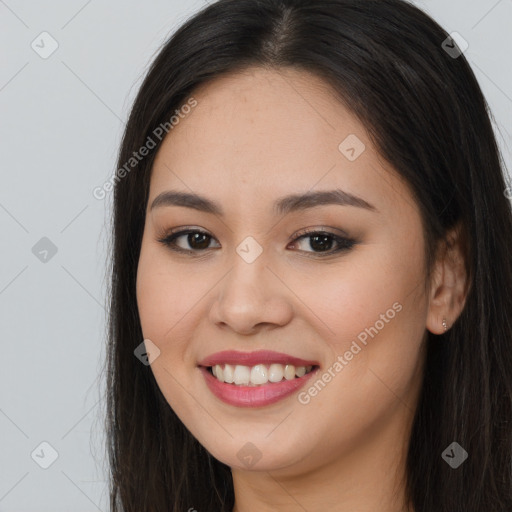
x: 265, y: 133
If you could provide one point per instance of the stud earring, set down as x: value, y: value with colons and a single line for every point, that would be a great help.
x: 445, y: 325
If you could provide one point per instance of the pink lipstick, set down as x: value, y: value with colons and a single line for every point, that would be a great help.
x: 255, y: 395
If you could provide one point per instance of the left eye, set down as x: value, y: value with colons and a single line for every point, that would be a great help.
x: 199, y: 241
x: 323, y: 241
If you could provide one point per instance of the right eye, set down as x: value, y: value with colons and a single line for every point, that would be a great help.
x: 197, y: 240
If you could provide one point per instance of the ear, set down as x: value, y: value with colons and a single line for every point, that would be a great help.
x: 449, y: 283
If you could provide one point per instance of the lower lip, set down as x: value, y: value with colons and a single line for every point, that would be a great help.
x: 254, y: 396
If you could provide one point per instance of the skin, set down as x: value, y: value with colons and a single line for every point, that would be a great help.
x: 254, y: 137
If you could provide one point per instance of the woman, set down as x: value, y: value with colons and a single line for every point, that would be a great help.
x: 311, y: 280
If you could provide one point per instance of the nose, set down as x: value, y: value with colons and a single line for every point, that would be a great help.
x: 251, y: 298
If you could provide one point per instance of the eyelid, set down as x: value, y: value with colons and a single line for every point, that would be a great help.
x: 326, y: 229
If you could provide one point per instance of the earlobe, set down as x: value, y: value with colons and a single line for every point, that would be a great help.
x: 449, y: 284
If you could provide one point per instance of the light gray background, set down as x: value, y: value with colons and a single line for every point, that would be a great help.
x: 61, y: 122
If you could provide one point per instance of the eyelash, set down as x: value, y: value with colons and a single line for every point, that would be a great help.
x: 344, y: 244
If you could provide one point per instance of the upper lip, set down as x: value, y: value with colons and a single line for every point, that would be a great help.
x: 253, y: 358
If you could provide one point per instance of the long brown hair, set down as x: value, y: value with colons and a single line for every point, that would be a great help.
x: 427, y: 116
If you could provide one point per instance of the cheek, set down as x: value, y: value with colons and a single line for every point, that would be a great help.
x: 373, y: 309
x: 165, y: 293
x: 157, y: 307
x: 164, y: 298
x: 372, y: 321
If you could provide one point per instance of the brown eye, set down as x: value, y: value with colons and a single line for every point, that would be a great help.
x: 198, y: 240
x: 191, y: 240
x: 323, y: 242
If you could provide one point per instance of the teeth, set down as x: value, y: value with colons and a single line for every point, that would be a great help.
x: 242, y: 375
x: 289, y: 372
x: 275, y: 373
x: 220, y: 374
x: 256, y: 375
x: 228, y: 373
x: 259, y: 374
x: 300, y: 371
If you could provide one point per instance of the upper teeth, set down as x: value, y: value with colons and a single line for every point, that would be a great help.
x: 259, y: 374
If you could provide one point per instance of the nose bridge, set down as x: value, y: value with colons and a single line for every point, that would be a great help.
x: 249, y: 267
x: 250, y: 250
x: 249, y: 294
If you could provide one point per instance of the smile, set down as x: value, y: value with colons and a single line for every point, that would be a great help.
x: 255, y: 379
x: 258, y: 374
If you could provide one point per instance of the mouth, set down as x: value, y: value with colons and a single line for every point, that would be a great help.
x: 249, y: 394
x: 255, y: 379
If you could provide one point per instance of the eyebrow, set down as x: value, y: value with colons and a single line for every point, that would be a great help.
x: 283, y: 206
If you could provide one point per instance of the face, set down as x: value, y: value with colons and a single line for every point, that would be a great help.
x: 335, y: 281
